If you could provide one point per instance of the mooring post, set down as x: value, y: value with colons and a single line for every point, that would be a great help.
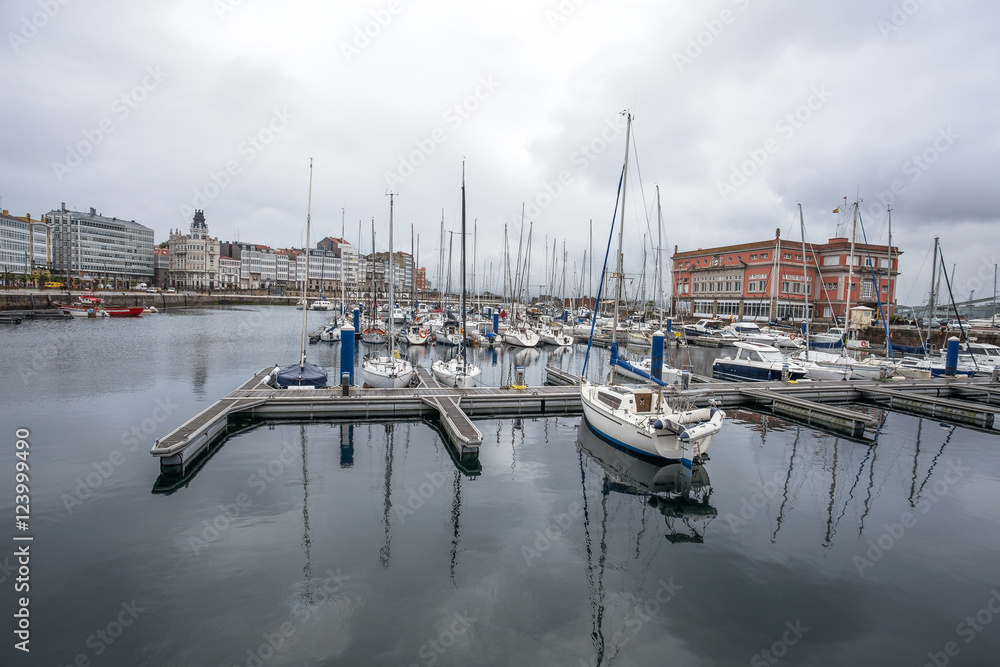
x: 657, y: 369
x: 784, y: 372
x: 496, y: 323
x: 347, y: 351
x: 357, y: 321
x: 951, y: 358
x: 686, y: 379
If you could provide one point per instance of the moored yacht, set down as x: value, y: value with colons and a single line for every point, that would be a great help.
x: 756, y: 362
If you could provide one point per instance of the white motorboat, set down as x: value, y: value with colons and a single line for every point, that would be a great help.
x: 869, y: 369
x: 703, y: 327
x: 322, y: 304
x: 397, y: 317
x: 756, y: 362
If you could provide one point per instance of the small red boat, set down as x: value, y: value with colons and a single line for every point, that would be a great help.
x: 93, y: 306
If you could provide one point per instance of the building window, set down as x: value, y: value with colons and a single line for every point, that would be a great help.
x: 763, y: 255
x: 753, y: 257
x: 788, y: 255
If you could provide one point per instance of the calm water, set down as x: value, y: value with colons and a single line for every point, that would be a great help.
x: 330, y: 544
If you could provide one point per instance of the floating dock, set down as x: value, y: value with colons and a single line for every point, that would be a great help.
x: 956, y: 400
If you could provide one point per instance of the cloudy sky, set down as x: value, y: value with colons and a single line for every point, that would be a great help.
x: 742, y: 109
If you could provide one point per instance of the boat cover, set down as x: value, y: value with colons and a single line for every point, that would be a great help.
x: 621, y: 363
x: 908, y: 349
x: 294, y: 375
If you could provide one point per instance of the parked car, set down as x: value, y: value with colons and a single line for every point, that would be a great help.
x: 171, y: 290
x: 152, y: 290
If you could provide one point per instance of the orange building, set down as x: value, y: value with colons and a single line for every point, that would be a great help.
x: 765, y: 280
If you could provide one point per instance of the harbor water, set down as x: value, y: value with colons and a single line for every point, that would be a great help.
x: 318, y: 543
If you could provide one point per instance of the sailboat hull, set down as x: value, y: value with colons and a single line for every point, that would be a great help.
x: 631, y: 425
x: 454, y: 373
x: 386, y: 373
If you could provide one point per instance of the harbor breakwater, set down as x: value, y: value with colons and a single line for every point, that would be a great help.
x: 21, y: 301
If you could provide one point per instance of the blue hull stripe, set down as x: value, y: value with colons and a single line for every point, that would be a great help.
x: 629, y: 448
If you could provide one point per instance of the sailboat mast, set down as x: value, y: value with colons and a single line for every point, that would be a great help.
x: 305, y: 281
x: 461, y: 298
x: 805, y: 281
x: 850, y: 276
x: 390, y: 269
x: 659, y: 256
x: 930, y: 302
x: 621, y: 234
x: 888, y: 272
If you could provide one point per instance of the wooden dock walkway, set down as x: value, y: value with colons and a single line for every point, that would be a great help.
x: 952, y: 399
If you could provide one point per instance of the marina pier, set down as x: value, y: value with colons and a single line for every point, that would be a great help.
x: 822, y: 404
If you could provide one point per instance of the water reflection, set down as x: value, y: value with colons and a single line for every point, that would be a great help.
x: 671, y: 488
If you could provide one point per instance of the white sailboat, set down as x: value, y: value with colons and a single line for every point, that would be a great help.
x: 458, y: 371
x: 392, y: 371
x: 640, y: 419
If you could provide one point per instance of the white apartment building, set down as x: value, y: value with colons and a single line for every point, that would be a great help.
x: 194, y: 257
x: 96, y: 249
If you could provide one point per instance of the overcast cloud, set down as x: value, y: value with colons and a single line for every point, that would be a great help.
x: 742, y: 108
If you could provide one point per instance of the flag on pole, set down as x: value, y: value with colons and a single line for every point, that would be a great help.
x: 836, y: 210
